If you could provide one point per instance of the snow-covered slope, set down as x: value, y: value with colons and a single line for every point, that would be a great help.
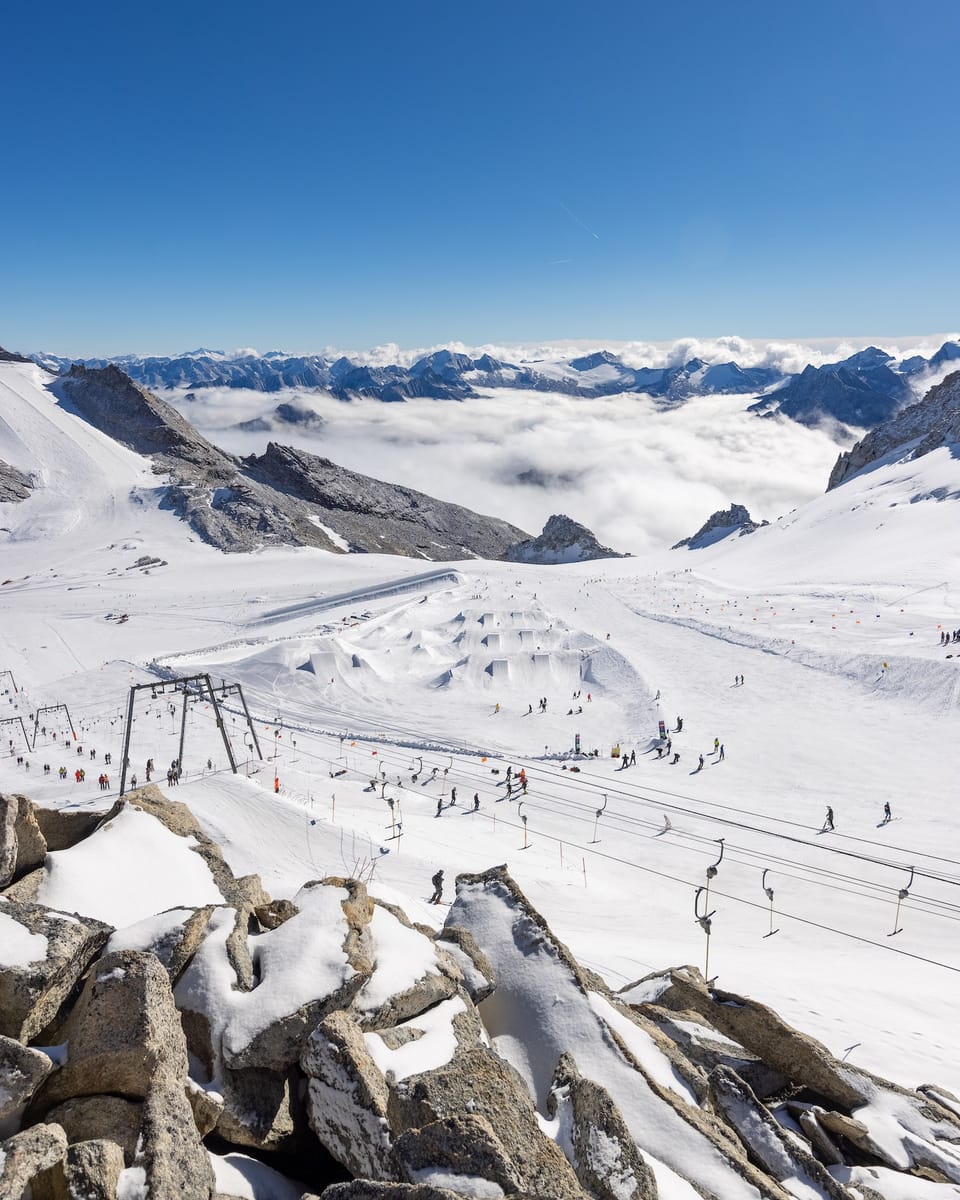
x: 364, y: 667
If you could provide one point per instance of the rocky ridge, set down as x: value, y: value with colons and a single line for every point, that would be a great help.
x: 284, y: 496
x: 563, y: 540
x: 721, y: 524
x: 376, y: 1076
x: 931, y: 422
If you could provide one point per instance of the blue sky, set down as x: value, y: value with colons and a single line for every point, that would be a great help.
x: 303, y: 175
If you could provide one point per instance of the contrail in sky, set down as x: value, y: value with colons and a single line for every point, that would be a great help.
x: 574, y: 217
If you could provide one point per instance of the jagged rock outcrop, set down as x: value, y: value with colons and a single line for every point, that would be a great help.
x: 931, y: 422
x: 484, y: 1061
x: 721, y: 524
x: 563, y: 540
x: 15, y: 485
x: 603, y: 1152
x: 380, y: 517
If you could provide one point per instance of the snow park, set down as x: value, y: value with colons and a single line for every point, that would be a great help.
x: 360, y: 845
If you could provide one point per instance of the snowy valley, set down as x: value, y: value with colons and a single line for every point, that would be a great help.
x: 656, y: 970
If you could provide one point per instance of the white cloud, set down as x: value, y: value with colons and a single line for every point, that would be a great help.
x: 636, y: 473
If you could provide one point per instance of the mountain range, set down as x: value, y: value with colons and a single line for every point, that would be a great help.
x: 861, y: 390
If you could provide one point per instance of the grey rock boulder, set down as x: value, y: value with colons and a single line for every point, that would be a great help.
x: 98, y: 1118
x: 27, y: 1156
x: 22, y: 1071
x: 64, y: 945
x: 124, y: 1033
x: 22, y: 845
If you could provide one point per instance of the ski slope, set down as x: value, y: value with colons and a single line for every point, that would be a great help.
x: 363, y: 668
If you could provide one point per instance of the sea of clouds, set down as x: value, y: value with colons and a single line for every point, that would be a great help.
x: 639, y: 472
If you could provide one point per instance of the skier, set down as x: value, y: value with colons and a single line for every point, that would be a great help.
x: 453, y: 795
x: 828, y: 821
x: 716, y: 745
x: 669, y: 746
x: 700, y: 764
x: 439, y: 806
x: 720, y: 759
x: 675, y: 759
x: 133, y: 781
x: 476, y: 801
x: 437, y: 882
x: 679, y: 724
x: 887, y: 814
x: 633, y: 758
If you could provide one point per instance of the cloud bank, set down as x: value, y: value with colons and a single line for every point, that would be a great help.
x: 639, y: 474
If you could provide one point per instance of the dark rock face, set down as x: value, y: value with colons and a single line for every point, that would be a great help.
x: 14, y: 484
x: 931, y: 422
x: 380, y: 517
x: 285, y: 496
x: 10, y: 356
x: 863, y: 389
x: 733, y: 520
x: 563, y: 540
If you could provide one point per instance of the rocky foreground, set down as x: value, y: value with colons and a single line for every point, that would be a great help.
x: 361, y: 1056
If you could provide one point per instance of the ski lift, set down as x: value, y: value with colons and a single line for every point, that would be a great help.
x: 768, y: 892
x: 901, y: 896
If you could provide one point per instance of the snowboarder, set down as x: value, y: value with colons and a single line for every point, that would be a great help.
x: 437, y: 882
x: 828, y: 821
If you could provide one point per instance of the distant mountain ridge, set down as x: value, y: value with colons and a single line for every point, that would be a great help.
x: 862, y: 390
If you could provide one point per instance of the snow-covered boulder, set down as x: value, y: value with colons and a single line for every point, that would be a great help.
x: 411, y: 973
x: 172, y: 937
x: 719, y: 525
x: 768, y: 1145
x: 43, y: 954
x: 457, y: 1153
x: 596, y: 1139
x: 545, y: 1004
x: 348, y: 1099
x: 897, y: 1127
x: 563, y: 540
